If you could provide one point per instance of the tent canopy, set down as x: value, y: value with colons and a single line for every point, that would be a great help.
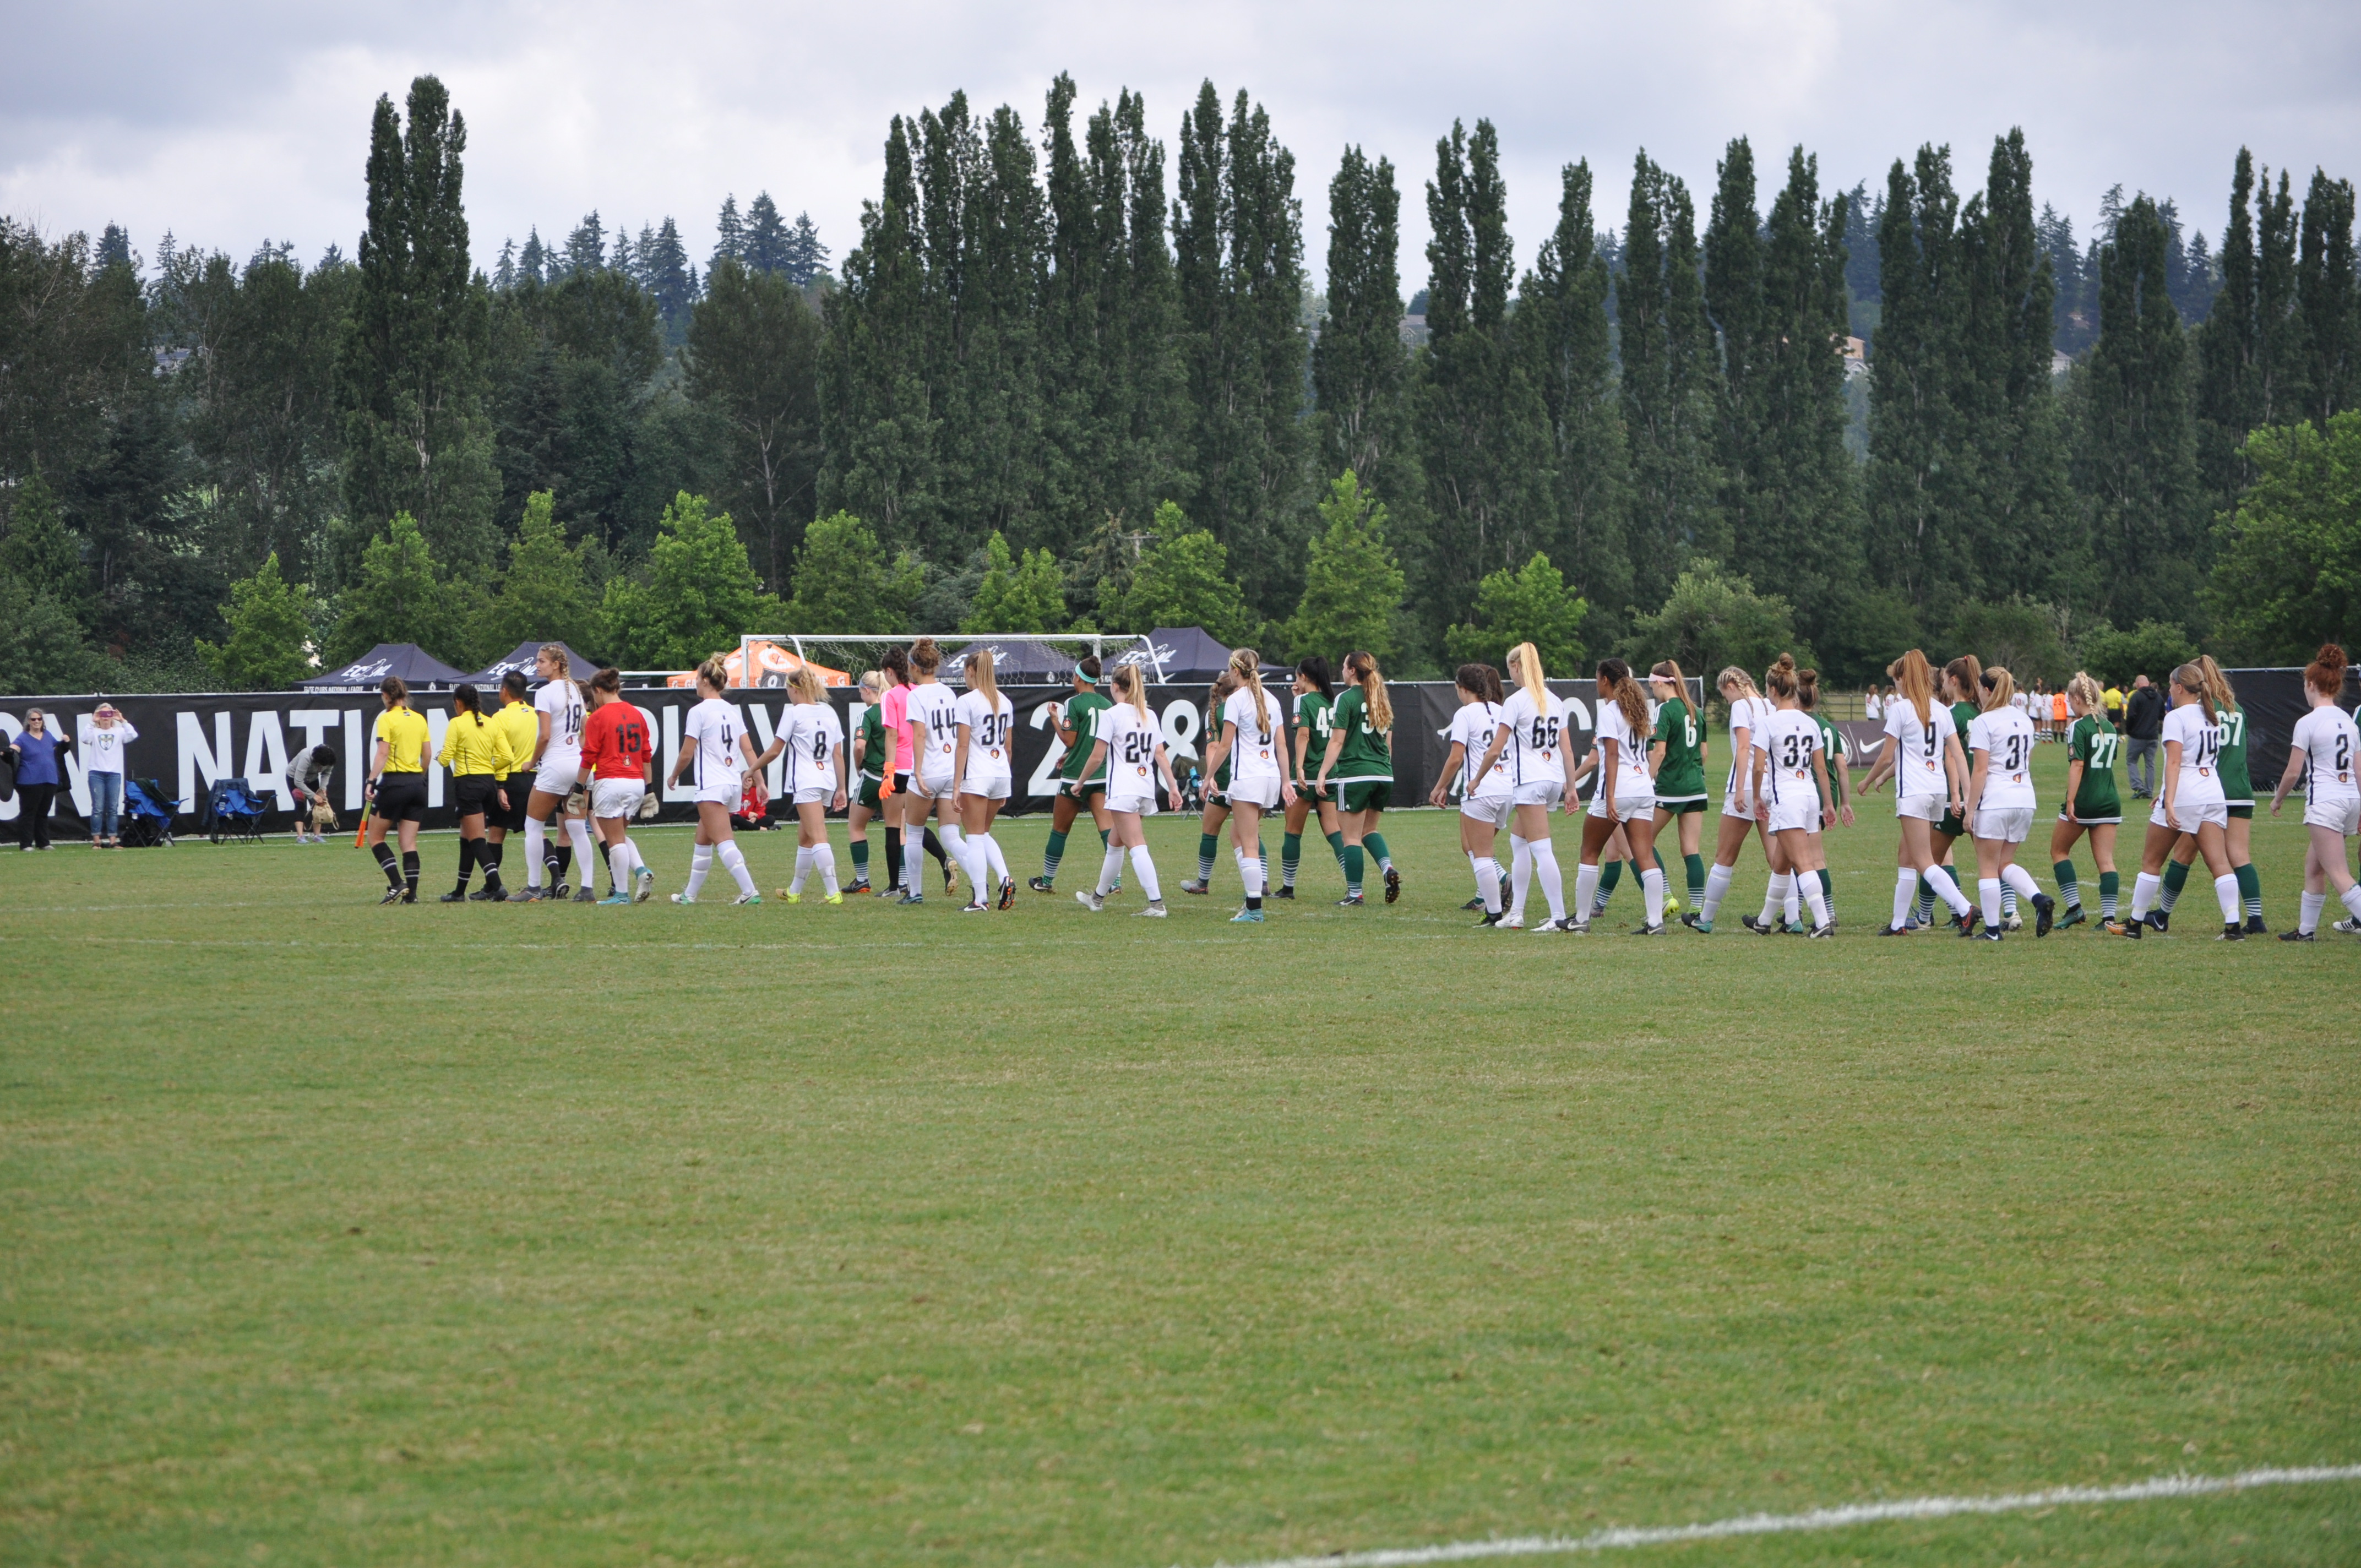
x: 581, y: 664
x: 1016, y: 661
x: 1185, y: 656
x: 413, y: 664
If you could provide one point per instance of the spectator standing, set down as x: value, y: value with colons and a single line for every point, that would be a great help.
x: 1873, y: 707
x: 2143, y: 722
x: 106, y: 736
x: 39, y: 754
x: 307, y: 784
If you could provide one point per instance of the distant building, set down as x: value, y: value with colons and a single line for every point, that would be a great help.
x: 1856, y: 358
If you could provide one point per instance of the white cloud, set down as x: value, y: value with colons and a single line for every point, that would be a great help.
x: 231, y: 128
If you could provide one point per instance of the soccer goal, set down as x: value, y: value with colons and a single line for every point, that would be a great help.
x: 768, y: 658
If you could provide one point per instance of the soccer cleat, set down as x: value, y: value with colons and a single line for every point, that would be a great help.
x: 561, y: 892
x: 2159, y: 921
x: 1473, y: 904
x: 1965, y: 924
x: 454, y: 896
x: 2232, y: 932
x: 1549, y: 927
x: 1286, y: 891
x: 2045, y: 912
x: 647, y: 884
x: 1702, y: 926
x: 1751, y: 923
x: 393, y: 895
x: 409, y: 896
x: 1692, y: 917
x: 1987, y: 935
x: 2131, y: 928
x: 1393, y: 885
x: 910, y: 898
x: 975, y: 909
x: 951, y: 877
x: 1507, y: 923
x: 1827, y: 930
x: 2012, y: 922
x: 1040, y: 884
x: 1246, y: 917
x: 1673, y: 905
x: 787, y: 897
x: 893, y: 893
x: 860, y: 886
x: 487, y: 896
x: 1575, y: 927
x: 1155, y: 911
x: 1007, y: 893
x: 1911, y: 922
x: 684, y: 898
x: 1494, y: 918
x: 757, y: 898
x: 531, y: 895
x: 2297, y: 937
x: 2255, y: 926
x: 1655, y: 930
x: 1199, y: 888
x: 615, y: 898
x: 1893, y: 930
x: 1795, y: 928
x: 837, y: 897
x: 1090, y: 901
x: 586, y: 894
x: 1350, y: 901
x: 2348, y: 925
x: 2074, y: 915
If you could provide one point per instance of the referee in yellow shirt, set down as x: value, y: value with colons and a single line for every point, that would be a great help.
x: 520, y: 726
x: 477, y: 754
x: 397, y: 788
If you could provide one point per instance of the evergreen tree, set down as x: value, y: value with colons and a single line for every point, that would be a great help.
x: 1358, y: 366
x: 2326, y: 294
x: 2289, y: 577
x: 42, y: 646
x: 766, y: 246
x: 1916, y: 363
x: 1351, y: 587
x: 504, y: 274
x: 585, y: 248
x: 2074, y: 314
x: 1562, y: 333
x: 698, y: 595
x: 1486, y: 431
x: 269, y: 621
x: 2139, y: 458
x: 844, y: 584
x: 533, y: 261
x: 753, y: 363
x: 1181, y: 578
x: 1238, y: 244
x: 2229, y: 347
x: 399, y: 597
x: 1863, y: 214
x: 663, y: 262
x: 1017, y: 594
x: 545, y: 593
x: 806, y: 258
x: 1668, y: 382
x: 730, y: 242
x: 1532, y: 603
x: 410, y: 378
x: 2279, y: 310
x: 43, y: 553
x: 115, y: 250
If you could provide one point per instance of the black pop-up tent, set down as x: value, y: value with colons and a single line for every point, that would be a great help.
x: 417, y: 668
x: 1018, y: 661
x: 1178, y: 656
x: 582, y: 665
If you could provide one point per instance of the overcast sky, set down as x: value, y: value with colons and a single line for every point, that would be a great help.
x: 231, y: 124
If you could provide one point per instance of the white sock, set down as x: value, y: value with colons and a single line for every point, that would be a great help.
x: 1488, y: 882
x: 1905, y: 892
x: 1816, y: 899
x: 1716, y: 888
x: 2225, y: 893
x: 701, y: 861
x: 733, y: 860
x: 994, y: 860
x: 1110, y: 868
x: 2143, y: 890
x: 2351, y: 899
x: 1553, y: 881
x: 619, y: 866
x: 824, y: 855
x: 803, y: 868
x: 1585, y: 889
x: 1250, y: 872
x: 1988, y: 894
x: 2021, y: 880
x: 2313, y: 902
x: 639, y: 861
x: 1146, y: 870
x: 1775, y: 895
x: 1940, y: 879
x: 1520, y: 878
x: 1652, y: 895
x: 1793, y: 906
x: 577, y: 833
x: 536, y: 838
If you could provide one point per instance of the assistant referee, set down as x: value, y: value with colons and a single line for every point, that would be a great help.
x: 520, y: 727
x: 397, y: 784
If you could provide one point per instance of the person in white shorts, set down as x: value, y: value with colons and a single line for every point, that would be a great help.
x: 812, y: 779
x: 1626, y: 797
x: 930, y: 718
x: 1791, y: 791
x: 2326, y: 754
x: 2190, y: 802
x: 714, y: 740
x: 557, y: 765
x: 1530, y: 737
x: 981, y: 762
x: 1749, y: 711
x: 619, y: 753
x: 1922, y: 756
x: 1130, y: 746
x: 1253, y: 734
x: 2000, y: 804
x: 1486, y: 799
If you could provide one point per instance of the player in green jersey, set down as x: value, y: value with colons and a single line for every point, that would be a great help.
x: 1959, y: 688
x: 1314, y: 703
x: 873, y: 759
x: 1361, y: 760
x: 1678, y: 753
x: 1077, y: 725
x: 2238, y: 793
x: 2091, y: 806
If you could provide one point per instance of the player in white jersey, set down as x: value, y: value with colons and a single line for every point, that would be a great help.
x: 1791, y: 794
x: 1252, y: 740
x: 2190, y: 801
x: 1922, y: 756
x: 1749, y: 711
x: 1625, y: 798
x: 981, y: 761
x: 1130, y: 746
x: 812, y: 779
x: 558, y: 710
x: 2000, y: 804
x: 714, y: 742
x: 1486, y: 799
x: 930, y: 719
x: 2326, y: 755
x: 1530, y: 737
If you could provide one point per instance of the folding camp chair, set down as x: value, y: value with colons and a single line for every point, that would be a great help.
x: 146, y: 813
x: 232, y: 812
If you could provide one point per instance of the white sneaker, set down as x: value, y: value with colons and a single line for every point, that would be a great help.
x: 1155, y: 911
x: 647, y: 880
x: 1510, y: 923
x: 1090, y: 901
x: 682, y: 898
x: 2348, y: 925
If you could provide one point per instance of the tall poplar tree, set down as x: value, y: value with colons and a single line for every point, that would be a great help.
x: 1359, y: 367
x: 2325, y: 292
x: 2228, y: 400
x: 1669, y: 378
x: 411, y: 377
x: 1914, y: 360
x: 1238, y: 257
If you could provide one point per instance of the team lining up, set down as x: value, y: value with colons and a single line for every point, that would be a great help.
x: 938, y: 765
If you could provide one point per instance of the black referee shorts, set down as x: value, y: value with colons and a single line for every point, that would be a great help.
x: 519, y: 788
x: 472, y: 794
x: 400, y: 797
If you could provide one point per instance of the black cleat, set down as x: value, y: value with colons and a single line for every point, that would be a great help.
x: 1893, y: 930
x: 1496, y: 916
x: 1655, y: 930
x: 1038, y: 883
x: 1288, y: 893
x: 2131, y: 928
x: 487, y: 896
x: 2159, y: 921
x: 454, y: 896
x: 2232, y: 932
x: 2255, y: 926
x: 1988, y: 934
x: 2297, y: 937
x: 1393, y: 885
x: 860, y: 886
x: 393, y: 895
x: 1473, y: 904
x: 2074, y: 915
x: 2045, y: 913
x: 409, y: 896
x: 1007, y: 893
x: 1690, y: 919
x: 1350, y: 901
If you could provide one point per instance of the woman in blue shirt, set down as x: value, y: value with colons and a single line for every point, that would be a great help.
x: 37, y: 753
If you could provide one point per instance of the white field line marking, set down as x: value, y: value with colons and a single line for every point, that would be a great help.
x: 1819, y: 1519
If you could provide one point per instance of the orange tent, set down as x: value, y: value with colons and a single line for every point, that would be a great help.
x: 773, y: 665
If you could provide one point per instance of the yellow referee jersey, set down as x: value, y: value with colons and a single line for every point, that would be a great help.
x: 471, y: 744
x: 520, y: 726
x: 403, y: 730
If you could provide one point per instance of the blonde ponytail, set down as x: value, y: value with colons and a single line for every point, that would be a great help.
x: 1129, y: 687
x: 1247, y: 664
x: 1526, y: 660
x: 980, y: 678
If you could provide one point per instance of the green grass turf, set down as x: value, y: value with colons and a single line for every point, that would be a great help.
x: 344, y: 1234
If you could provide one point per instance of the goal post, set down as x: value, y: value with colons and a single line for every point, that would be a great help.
x: 766, y: 658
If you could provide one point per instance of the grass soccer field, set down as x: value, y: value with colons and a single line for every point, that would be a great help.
x: 343, y: 1234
